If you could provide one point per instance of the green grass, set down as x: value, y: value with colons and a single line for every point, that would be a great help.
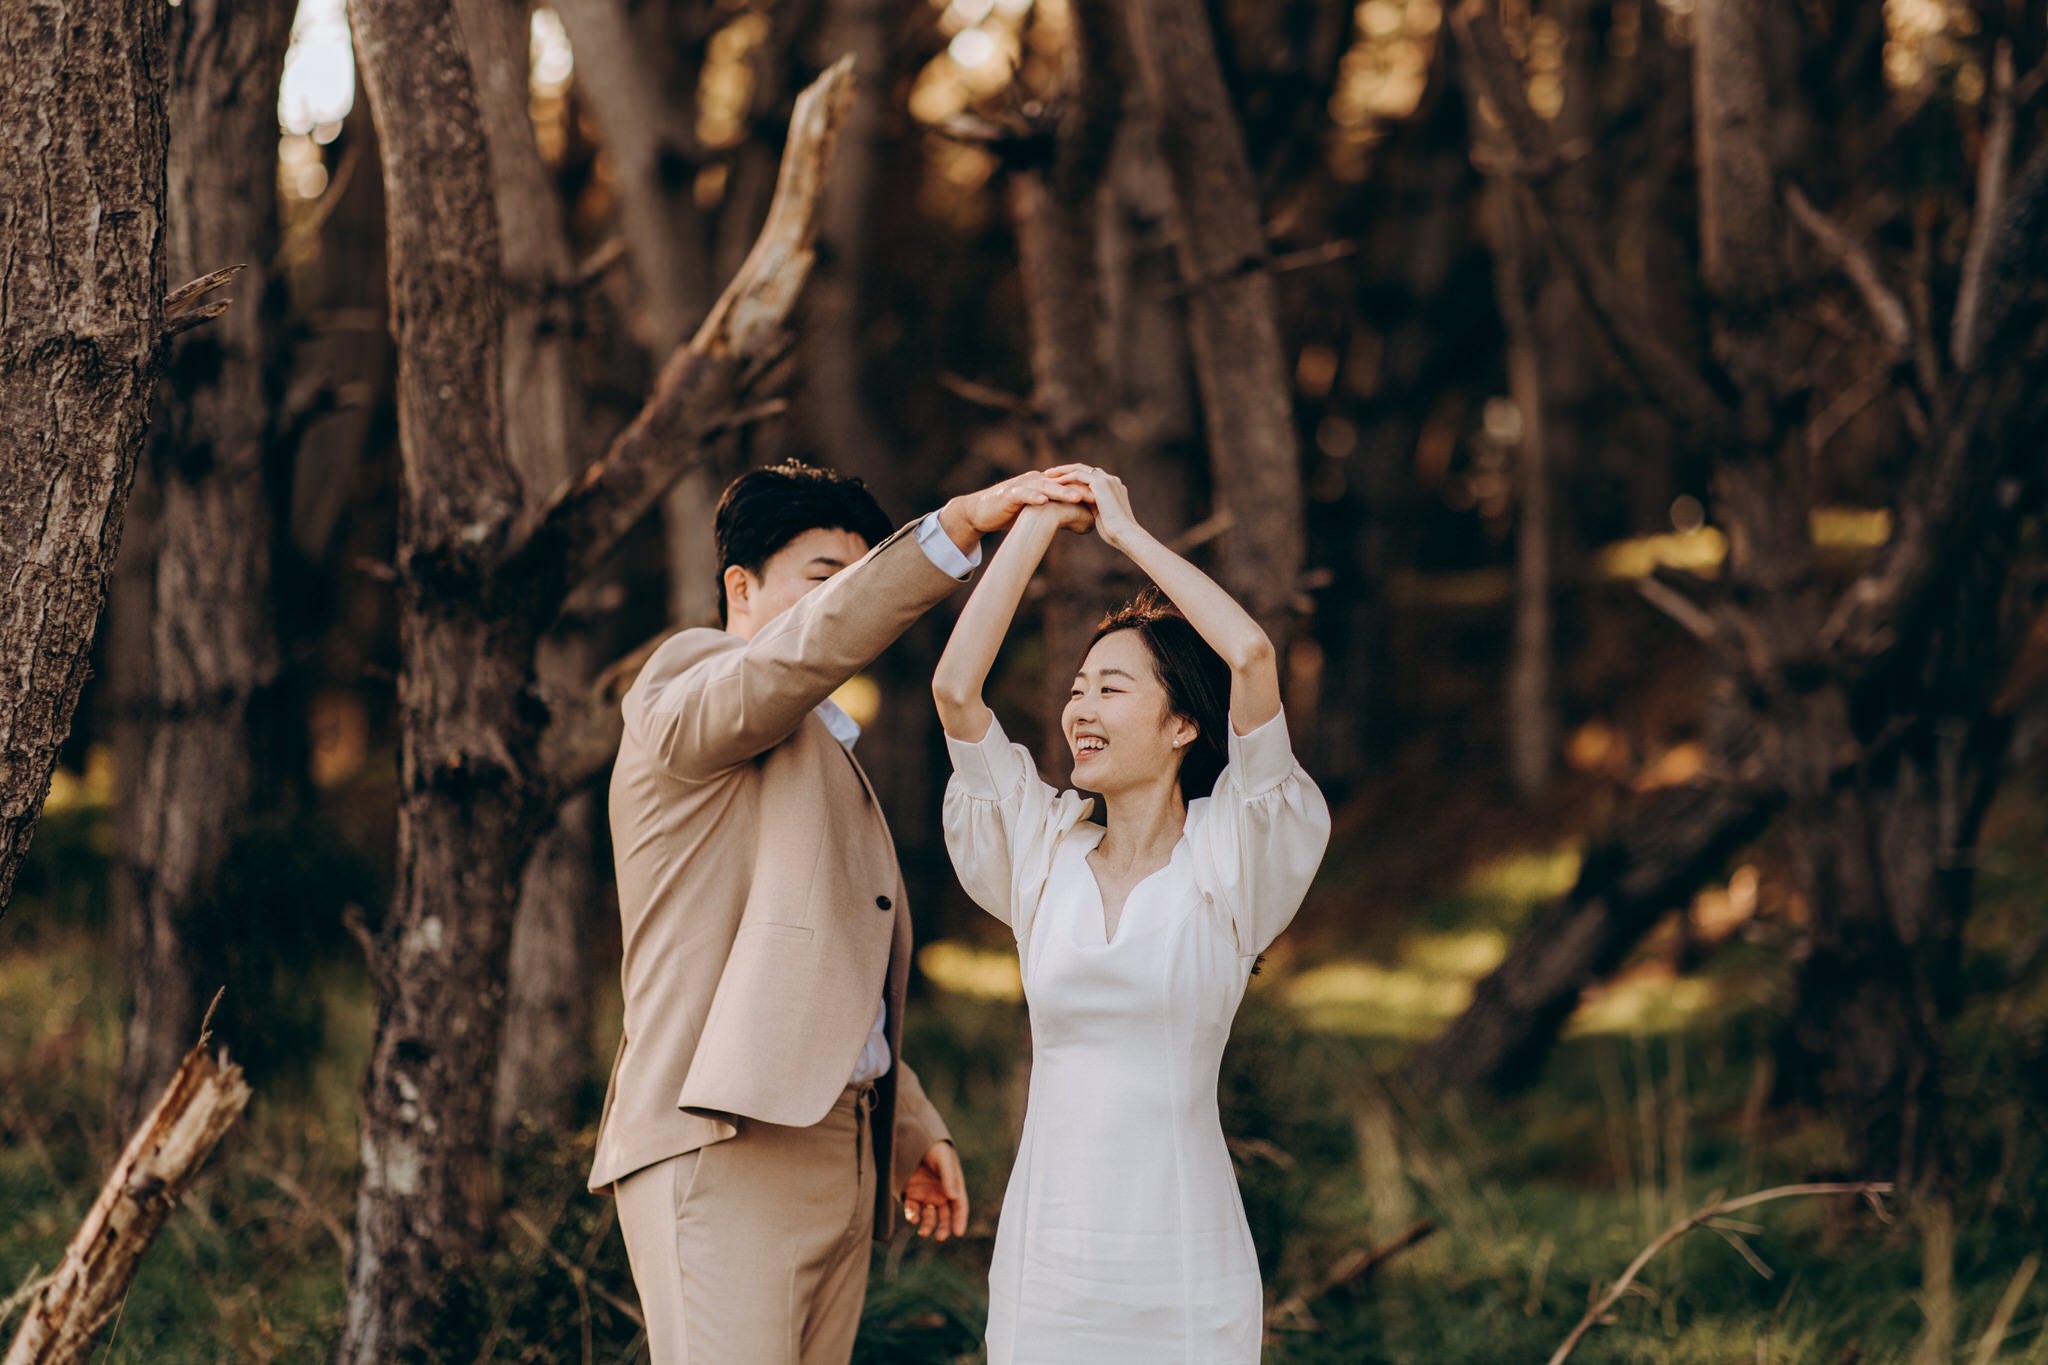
x: 1537, y: 1201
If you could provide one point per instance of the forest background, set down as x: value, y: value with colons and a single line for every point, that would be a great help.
x: 1631, y: 413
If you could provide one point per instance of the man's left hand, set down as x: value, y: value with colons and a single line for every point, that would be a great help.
x: 935, y: 1196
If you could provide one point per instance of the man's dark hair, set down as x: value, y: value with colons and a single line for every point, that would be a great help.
x: 764, y: 509
x: 1196, y: 679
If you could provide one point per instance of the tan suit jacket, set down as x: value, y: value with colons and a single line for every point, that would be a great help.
x: 762, y: 906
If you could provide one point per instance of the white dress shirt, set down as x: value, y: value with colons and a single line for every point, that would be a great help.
x: 938, y: 547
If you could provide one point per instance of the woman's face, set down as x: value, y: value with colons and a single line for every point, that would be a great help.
x: 1118, y: 724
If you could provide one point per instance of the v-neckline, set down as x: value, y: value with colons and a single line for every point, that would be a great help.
x: 1123, y: 913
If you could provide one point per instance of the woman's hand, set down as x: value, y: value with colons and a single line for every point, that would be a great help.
x: 1114, y: 520
x: 971, y: 516
x: 1078, y: 517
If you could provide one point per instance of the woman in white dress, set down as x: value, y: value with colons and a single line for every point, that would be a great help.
x: 1122, y: 1239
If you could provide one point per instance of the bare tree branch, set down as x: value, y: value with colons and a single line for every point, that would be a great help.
x: 1949, y: 489
x: 700, y: 390
x: 1868, y: 1189
x: 183, y: 297
x: 1886, y: 308
x: 1993, y: 166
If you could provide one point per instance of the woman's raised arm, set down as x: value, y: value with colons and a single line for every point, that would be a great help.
x: 1214, y: 613
x: 971, y: 649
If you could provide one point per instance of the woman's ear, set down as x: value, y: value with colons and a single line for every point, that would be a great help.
x: 1185, y: 732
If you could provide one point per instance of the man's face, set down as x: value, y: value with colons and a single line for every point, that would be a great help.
x: 790, y: 573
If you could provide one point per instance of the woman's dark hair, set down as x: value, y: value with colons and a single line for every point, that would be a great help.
x: 1196, y: 679
x: 764, y: 509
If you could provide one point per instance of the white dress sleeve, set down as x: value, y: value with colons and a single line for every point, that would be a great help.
x: 1261, y: 837
x: 1002, y: 823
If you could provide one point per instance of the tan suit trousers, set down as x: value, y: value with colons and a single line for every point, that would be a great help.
x: 754, y: 1251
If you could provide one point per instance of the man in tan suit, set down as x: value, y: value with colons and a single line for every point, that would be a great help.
x: 759, y: 1087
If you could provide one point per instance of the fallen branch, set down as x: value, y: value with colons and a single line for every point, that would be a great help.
x: 1348, y: 1270
x: 197, y: 1108
x: 1868, y: 1189
x: 578, y: 1275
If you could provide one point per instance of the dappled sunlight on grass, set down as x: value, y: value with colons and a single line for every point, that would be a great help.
x: 1649, y: 1000
x: 980, y: 973
x: 1528, y: 877
x: 1368, y: 998
x: 70, y: 790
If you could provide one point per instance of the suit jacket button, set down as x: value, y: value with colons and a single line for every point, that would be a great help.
x: 884, y: 903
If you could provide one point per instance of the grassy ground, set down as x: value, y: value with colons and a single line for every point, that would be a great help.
x: 1652, y: 1108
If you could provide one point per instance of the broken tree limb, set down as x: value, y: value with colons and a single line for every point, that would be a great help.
x: 197, y: 1108
x: 700, y: 389
x: 1869, y: 1189
x: 1682, y: 836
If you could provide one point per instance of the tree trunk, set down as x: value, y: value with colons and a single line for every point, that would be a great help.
x: 344, y: 364
x: 1532, y: 671
x: 484, y: 565
x: 82, y: 144
x: 1232, y: 306
x: 646, y: 111
x: 845, y: 427
x: 1056, y: 211
x: 1886, y: 859
x: 190, y: 769
x: 547, y: 999
x: 467, y: 727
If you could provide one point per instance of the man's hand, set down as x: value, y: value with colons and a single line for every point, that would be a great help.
x: 935, y: 1196
x: 971, y: 516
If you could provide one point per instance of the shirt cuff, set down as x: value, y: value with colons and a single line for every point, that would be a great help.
x: 939, y: 548
x: 988, y: 768
x: 1262, y: 759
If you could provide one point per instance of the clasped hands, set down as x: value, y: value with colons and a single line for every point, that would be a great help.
x: 1079, y: 497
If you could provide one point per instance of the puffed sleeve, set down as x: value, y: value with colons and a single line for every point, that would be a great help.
x: 1002, y: 824
x: 1261, y: 836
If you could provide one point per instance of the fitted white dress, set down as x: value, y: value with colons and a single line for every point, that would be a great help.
x: 1122, y: 1239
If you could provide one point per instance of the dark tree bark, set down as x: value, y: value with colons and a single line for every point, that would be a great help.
x: 1232, y: 309
x: 82, y: 145
x: 466, y: 810
x: 485, y: 560
x: 547, y: 997
x: 188, y: 735
x: 846, y: 428
x: 1532, y: 672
